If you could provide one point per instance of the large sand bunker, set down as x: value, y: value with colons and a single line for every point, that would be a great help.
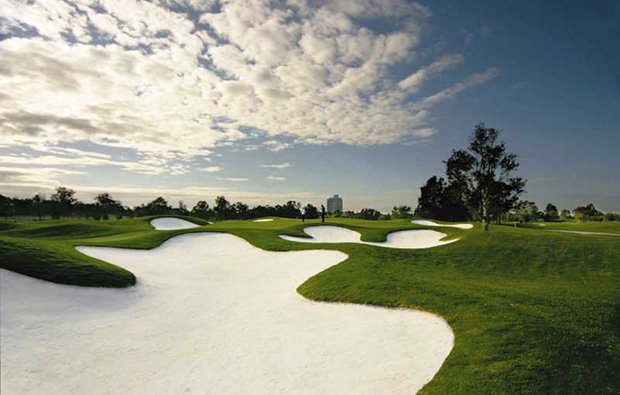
x: 263, y: 220
x: 170, y: 223
x: 431, y: 223
x: 210, y: 314
x: 400, y: 239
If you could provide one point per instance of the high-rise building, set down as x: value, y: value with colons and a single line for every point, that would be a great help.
x: 334, y: 204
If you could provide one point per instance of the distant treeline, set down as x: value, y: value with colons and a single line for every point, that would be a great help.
x: 64, y: 204
x: 527, y: 211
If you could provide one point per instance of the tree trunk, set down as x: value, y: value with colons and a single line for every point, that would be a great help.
x: 485, y: 214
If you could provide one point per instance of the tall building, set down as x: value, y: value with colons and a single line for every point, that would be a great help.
x: 334, y: 204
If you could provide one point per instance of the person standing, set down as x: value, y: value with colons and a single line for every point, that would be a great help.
x: 303, y: 214
x: 322, y: 214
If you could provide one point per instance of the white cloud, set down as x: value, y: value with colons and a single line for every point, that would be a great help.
x: 278, y: 166
x: 448, y: 93
x: 138, y: 75
x: 85, y: 161
x: 212, y: 169
x: 33, y: 177
x: 426, y: 132
x: 234, y: 179
x: 275, y: 145
x: 275, y: 178
x: 413, y: 83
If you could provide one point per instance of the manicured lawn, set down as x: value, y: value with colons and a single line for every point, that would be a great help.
x: 533, y: 312
x: 602, y: 227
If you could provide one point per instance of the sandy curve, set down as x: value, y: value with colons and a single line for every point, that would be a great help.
x: 210, y: 314
x: 263, y: 220
x: 431, y: 223
x: 171, y: 223
x: 405, y: 239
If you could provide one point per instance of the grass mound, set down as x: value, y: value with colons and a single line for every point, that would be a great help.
x: 69, y: 230
x: 60, y: 263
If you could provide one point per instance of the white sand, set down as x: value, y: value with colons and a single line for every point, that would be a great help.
x: 401, y: 239
x: 170, y: 223
x: 431, y: 223
x: 263, y: 220
x: 210, y: 314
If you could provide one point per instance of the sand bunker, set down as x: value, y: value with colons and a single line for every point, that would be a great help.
x: 210, y: 314
x: 401, y: 239
x: 263, y: 220
x: 170, y: 223
x: 431, y: 223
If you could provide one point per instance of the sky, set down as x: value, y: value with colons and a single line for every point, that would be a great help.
x: 270, y: 101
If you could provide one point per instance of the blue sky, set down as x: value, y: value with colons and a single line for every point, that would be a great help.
x: 270, y: 101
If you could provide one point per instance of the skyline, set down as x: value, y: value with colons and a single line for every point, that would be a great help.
x: 299, y: 100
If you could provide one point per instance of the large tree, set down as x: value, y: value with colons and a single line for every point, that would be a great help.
x: 485, y: 169
x: 430, y: 200
x: 401, y: 212
x: 551, y: 212
x: 63, y: 202
x: 202, y: 210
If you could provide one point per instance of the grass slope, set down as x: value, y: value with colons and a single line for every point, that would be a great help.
x: 533, y: 312
x: 601, y: 227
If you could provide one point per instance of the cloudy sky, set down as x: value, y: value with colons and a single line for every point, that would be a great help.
x: 267, y: 101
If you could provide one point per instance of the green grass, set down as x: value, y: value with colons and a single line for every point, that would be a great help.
x: 602, y: 227
x: 533, y: 312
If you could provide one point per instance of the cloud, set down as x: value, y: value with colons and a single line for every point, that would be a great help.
x: 173, y: 79
x: 234, y: 179
x: 33, y: 177
x: 211, y: 169
x: 414, y: 82
x: 448, y: 93
x: 275, y: 145
x: 279, y: 166
x: 275, y: 178
x: 86, y: 160
x: 426, y: 132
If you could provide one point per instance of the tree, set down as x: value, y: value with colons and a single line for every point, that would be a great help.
x: 158, y: 206
x: 202, y: 210
x: 505, y: 196
x: 527, y: 211
x: 63, y: 201
x: 240, y: 210
x: 183, y: 208
x: 587, y: 213
x: 551, y: 213
x: 565, y: 214
x: 401, y: 212
x: 369, y: 213
x: 38, y: 204
x: 311, y: 211
x: 482, y: 169
x: 430, y: 200
x: 222, y: 208
x: 107, y: 205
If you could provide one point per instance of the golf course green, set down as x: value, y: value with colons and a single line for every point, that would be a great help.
x: 533, y: 311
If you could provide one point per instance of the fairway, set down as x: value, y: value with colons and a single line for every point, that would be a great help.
x: 509, y: 295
